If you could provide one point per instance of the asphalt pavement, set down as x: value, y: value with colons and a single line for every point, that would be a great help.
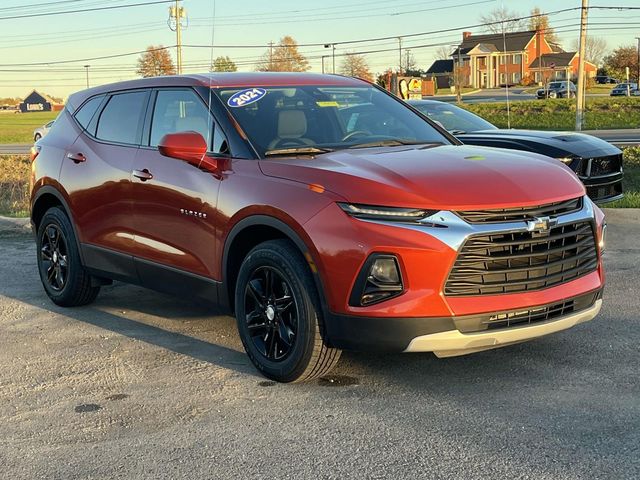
x: 144, y: 385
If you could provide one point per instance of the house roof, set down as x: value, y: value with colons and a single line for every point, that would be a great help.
x: 441, y: 66
x: 560, y: 59
x: 45, y: 97
x: 515, y: 41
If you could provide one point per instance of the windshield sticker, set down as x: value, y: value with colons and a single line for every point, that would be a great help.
x: 327, y: 104
x: 246, y: 97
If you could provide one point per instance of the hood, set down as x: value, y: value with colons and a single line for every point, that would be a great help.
x: 441, y: 177
x: 552, y: 144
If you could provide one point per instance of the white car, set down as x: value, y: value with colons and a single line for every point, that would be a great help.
x: 40, y: 132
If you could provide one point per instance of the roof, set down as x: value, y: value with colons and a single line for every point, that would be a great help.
x: 441, y: 66
x: 515, y: 41
x: 560, y: 59
x: 46, y: 98
x: 219, y: 80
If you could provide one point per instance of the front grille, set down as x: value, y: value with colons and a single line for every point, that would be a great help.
x: 511, y: 262
x: 527, y: 315
x: 605, y: 165
x: 600, y: 193
x: 521, y: 213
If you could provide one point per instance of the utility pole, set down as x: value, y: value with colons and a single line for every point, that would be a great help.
x: 86, y: 67
x: 638, y: 79
x: 581, y: 76
x: 406, y: 63
x: 176, y: 14
x: 458, y: 75
x: 400, y: 54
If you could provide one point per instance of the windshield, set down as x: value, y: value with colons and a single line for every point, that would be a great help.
x: 307, y: 119
x: 455, y: 119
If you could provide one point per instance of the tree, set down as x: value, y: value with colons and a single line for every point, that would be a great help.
x: 595, y: 49
x: 283, y: 57
x: 156, y: 61
x: 354, y: 65
x: 223, y: 64
x: 541, y: 22
x: 409, y: 63
x: 619, y: 59
x: 443, y: 53
x: 507, y: 18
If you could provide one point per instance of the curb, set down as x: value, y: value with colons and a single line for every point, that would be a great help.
x: 15, y: 225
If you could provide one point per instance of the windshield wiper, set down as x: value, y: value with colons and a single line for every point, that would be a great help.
x: 387, y: 143
x: 457, y: 132
x: 297, y: 151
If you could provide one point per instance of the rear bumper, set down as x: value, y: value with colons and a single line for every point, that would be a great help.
x: 453, y: 343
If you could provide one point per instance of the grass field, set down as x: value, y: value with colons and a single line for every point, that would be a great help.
x: 19, y: 127
x: 560, y: 114
x: 15, y: 170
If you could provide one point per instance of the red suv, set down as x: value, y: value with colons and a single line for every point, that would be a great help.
x: 320, y: 224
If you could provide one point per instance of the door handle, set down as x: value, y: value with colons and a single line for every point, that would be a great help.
x: 143, y: 175
x: 77, y: 158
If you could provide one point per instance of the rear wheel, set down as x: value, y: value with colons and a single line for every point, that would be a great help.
x: 278, y: 314
x: 64, y: 278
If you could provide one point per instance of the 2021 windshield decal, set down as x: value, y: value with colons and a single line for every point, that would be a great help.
x: 246, y: 97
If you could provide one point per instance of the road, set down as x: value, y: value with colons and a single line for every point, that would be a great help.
x: 143, y: 385
x: 499, y: 95
x: 15, y: 148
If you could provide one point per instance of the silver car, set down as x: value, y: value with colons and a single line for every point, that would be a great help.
x: 40, y: 132
x: 624, y: 89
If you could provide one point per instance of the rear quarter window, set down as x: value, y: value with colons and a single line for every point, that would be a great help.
x: 86, y: 112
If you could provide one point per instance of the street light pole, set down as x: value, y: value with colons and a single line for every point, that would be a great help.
x: 581, y: 79
x: 333, y: 56
x: 638, y: 79
x: 86, y: 67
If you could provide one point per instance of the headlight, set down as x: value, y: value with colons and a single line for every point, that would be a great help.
x: 565, y: 160
x: 603, y: 238
x: 392, y: 214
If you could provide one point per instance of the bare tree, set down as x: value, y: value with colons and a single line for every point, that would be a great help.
x: 596, y: 49
x: 355, y: 65
x: 540, y: 21
x: 283, y: 57
x: 443, y: 53
x: 156, y: 61
x: 507, y: 18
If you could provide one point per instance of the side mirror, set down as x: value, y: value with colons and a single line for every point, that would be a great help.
x: 191, y: 147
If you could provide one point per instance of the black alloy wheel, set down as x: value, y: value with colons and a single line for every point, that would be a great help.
x: 54, y: 258
x: 271, y: 313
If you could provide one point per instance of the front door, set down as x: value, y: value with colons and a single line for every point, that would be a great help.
x: 174, y: 203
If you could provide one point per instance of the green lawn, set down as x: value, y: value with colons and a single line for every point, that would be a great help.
x: 19, y: 127
x: 560, y: 114
x: 631, y: 180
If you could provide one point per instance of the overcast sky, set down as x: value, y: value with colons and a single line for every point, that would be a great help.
x: 83, y: 35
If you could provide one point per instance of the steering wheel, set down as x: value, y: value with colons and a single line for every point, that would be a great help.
x: 288, y: 142
x: 355, y: 133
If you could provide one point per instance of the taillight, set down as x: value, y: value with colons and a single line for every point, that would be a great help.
x: 35, y: 151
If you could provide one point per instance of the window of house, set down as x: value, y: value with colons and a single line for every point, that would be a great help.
x: 517, y: 59
x: 503, y: 78
x: 516, y: 77
x: 503, y: 59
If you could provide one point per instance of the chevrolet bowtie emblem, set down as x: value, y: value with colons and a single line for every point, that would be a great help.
x: 541, y: 226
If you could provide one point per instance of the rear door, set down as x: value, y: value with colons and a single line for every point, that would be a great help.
x: 96, y: 173
x: 175, y: 208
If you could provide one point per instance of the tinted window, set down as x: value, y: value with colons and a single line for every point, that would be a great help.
x: 120, y: 119
x: 87, y: 111
x: 455, y: 119
x: 179, y: 111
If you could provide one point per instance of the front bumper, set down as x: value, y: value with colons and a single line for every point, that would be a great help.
x: 453, y: 342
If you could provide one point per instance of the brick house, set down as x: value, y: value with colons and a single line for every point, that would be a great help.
x: 494, y: 60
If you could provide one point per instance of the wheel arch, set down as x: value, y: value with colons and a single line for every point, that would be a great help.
x: 245, y: 235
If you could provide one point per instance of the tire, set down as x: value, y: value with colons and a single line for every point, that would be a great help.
x: 37, y: 137
x: 280, y: 325
x: 63, y: 276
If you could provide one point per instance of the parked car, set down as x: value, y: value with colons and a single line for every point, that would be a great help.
x: 557, y: 90
x: 597, y: 163
x: 249, y: 190
x: 624, y: 89
x: 40, y: 132
x: 604, y: 79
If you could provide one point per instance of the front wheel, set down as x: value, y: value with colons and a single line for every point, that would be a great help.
x: 278, y: 314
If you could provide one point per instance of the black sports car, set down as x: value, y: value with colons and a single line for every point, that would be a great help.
x: 597, y: 163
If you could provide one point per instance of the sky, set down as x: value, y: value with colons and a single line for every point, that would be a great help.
x: 77, y: 37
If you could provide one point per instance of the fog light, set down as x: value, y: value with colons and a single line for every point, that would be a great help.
x: 385, y: 270
x: 379, y: 280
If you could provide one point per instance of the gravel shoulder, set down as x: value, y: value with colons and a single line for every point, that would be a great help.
x: 143, y: 385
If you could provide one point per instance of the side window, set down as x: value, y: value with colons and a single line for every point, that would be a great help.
x: 179, y: 111
x: 87, y: 111
x: 120, y: 119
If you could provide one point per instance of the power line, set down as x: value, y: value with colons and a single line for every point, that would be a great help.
x: 94, y: 9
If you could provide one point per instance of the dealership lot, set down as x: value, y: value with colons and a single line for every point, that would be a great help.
x: 141, y: 384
